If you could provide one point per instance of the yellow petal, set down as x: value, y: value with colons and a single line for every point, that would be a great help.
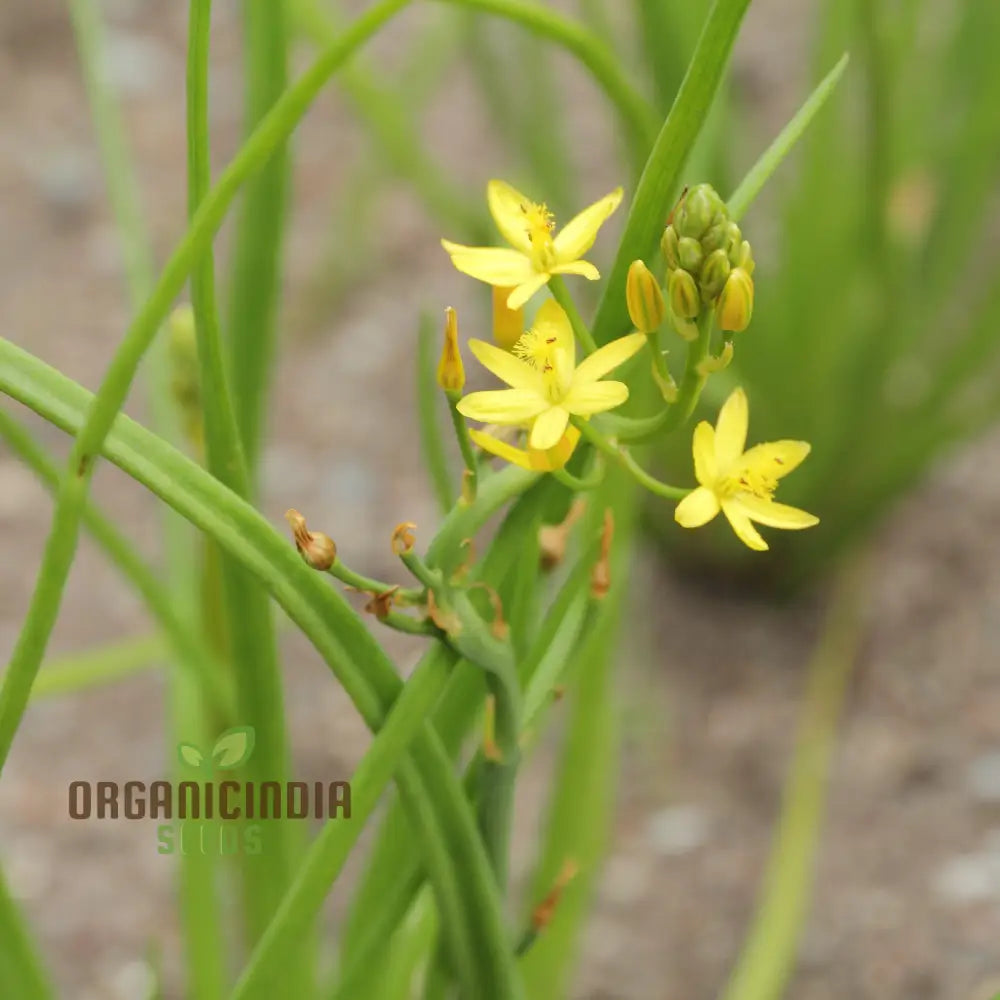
x: 494, y: 265
x: 516, y: 456
x: 551, y: 321
x: 516, y: 373
x: 697, y: 508
x: 595, y: 397
x: 776, y: 458
x: 581, y: 267
x: 731, y: 429
x: 703, y: 446
x: 776, y: 515
x: 608, y: 357
x: 502, y: 406
x: 526, y: 288
x: 558, y: 456
x: 578, y: 235
x: 548, y: 428
x: 508, y: 324
x: 506, y: 207
x: 740, y: 522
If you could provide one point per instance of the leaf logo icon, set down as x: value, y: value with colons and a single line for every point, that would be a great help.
x: 234, y: 747
x: 190, y: 755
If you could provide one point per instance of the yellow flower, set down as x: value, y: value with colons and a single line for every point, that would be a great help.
x: 741, y: 483
x: 546, y: 384
x: 537, y: 254
x: 529, y: 458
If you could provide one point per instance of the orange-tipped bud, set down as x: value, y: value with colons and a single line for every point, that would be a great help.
x: 451, y: 371
x: 318, y: 550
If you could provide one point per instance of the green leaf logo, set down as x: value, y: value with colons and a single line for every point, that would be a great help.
x: 190, y: 755
x: 233, y: 747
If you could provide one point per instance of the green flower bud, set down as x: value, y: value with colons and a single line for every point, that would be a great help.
x: 734, y: 307
x: 668, y: 244
x: 690, y: 254
x: 684, y: 299
x: 715, y: 238
x: 697, y: 211
x: 744, y: 258
x: 646, y: 307
x: 714, y: 273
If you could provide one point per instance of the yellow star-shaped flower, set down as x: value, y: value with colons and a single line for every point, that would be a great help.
x: 537, y: 254
x: 546, y: 384
x: 741, y: 483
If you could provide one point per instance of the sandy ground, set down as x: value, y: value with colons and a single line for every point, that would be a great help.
x: 907, y: 900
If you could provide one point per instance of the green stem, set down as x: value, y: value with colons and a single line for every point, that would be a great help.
x: 102, y: 665
x: 561, y: 294
x: 624, y: 458
x: 770, y: 947
x: 249, y: 629
x: 368, y: 585
x: 256, y: 280
x: 465, y: 447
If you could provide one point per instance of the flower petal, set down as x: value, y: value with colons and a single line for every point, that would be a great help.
x: 703, y: 446
x: 578, y: 235
x: 776, y: 458
x: 595, y: 397
x: 740, y: 521
x: 581, y: 267
x: 548, y: 428
x: 608, y: 357
x: 507, y: 208
x: 502, y: 406
x: 526, y: 288
x: 494, y: 265
x: 697, y: 508
x: 731, y: 429
x: 516, y: 373
x: 557, y: 456
x: 776, y: 515
x: 516, y: 456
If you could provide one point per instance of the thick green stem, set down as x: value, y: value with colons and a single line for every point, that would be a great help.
x: 260, y: 229
x: 21, y: 968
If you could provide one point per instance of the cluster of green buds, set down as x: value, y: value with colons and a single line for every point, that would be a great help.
x: 709, y: 264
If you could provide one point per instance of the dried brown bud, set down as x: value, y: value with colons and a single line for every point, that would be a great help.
x: 403, y: 538
x: 600, y: 577
x: 318, y: 550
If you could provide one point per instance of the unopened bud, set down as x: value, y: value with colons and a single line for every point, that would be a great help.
x: 690, y: 254
x: 743, y: 257
x: 699, y: 210
x: 646, y: 307
x: 714, y: 274
x: 734, y: 307
x: 508, y: 324
x: 318, y: 550
x: 668, y: 246
x: 450, y: 372
x: 685, y: 301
